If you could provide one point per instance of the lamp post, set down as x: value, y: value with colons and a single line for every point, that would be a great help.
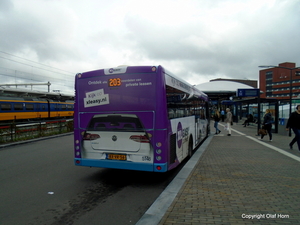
x: 291, y: 86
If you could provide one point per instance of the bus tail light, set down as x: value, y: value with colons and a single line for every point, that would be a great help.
x: 90, y: 137
x: 140, y: 138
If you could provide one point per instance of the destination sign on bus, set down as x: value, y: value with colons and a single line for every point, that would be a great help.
x: 114, y: 82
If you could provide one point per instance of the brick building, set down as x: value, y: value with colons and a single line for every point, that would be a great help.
x: 275, y: 81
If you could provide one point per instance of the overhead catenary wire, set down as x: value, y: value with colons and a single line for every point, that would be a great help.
x: 35, y: 66
x: 63, y: 77
x: 71, y: 73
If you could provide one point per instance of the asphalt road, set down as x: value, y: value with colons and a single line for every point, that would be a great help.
x: 39, y: 184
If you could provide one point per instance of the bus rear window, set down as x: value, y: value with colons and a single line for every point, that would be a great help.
x: 115, y: 123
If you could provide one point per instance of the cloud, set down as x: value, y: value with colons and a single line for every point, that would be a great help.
x: 201, y: 39
x: 6, y: 6
x: 41, y: 29
x: 226, y: 40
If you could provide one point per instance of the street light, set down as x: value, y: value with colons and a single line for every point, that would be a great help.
x: 291, y: 86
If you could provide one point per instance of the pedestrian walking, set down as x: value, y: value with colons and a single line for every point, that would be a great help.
x: 217, y: 118
x: 294, y: 124
x: 228, y: 121
x: 267, y: 124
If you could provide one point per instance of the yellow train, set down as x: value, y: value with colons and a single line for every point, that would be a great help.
x: 13, y: 108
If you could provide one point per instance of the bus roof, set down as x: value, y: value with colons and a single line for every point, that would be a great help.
x: 178, y: 83
x: 171, y: 79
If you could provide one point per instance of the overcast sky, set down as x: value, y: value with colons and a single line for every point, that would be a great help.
x: 198, y: 39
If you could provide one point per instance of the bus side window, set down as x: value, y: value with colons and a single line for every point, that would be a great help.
x: 171, y: 113
x: 202, y: 114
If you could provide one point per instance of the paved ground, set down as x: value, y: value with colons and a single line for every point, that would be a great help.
x: 240, y: 180
x: 234, y: 180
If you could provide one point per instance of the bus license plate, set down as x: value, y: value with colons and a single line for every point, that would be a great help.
x: 116, y: 157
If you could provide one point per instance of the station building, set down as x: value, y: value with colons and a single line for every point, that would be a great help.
x: 275, y: 82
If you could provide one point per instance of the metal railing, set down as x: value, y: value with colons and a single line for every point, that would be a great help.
x: 13, y: 132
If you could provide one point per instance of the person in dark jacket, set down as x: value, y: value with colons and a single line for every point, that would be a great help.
x: 249, y: 119
x: 294, y: 124
x: 267, y: 124
x: 217, y: 118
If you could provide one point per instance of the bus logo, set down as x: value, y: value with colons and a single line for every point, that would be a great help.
x: 182, y: 134
x: 115, y: 70
x: 114, y: 138
x: 179, y: 135
x: 111, y: 70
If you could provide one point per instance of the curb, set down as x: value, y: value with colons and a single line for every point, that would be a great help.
x: 160, y: 206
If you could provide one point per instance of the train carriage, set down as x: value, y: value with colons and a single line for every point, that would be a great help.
x: 16, y: 108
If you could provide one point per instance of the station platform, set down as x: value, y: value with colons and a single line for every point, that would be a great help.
x: 235, y: 179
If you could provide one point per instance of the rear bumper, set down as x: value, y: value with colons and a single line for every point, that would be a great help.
x: 151, y: 167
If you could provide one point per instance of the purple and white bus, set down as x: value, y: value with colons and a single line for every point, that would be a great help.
x: 137, y: 118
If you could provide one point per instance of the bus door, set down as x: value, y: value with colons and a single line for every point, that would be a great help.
x: 197, y: 131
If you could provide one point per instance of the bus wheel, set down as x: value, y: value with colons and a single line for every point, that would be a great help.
x: 190, y: 150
